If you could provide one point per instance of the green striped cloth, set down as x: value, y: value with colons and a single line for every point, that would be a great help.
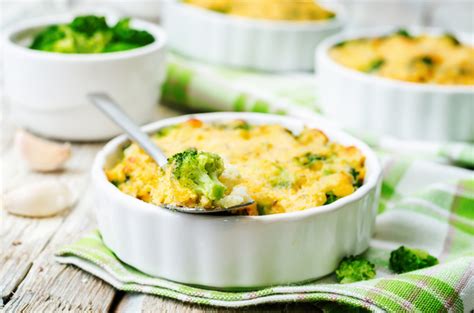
x: 425, y: 204
x: 198, y: 87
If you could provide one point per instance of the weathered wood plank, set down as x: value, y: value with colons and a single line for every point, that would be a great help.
x: 53, y: 287
x: 22, y: 239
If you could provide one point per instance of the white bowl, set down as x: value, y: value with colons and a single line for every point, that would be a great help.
x: 386, y: 106
x: 236, y: 251
x: 47, y: 91
x: 244, y: 42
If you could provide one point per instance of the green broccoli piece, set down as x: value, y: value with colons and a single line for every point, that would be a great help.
x: 89, y: 24
x: 330, y: 197
x: 375, y: 65
x: 407, y: 259
x: 309, y: 159
x: 355, y: 176
x: 92, y: 44
x: 123, y: 33
x: 453, y: 39
x: 55, y: 38
x: 200, y: 172
x: 163, y: 132
x: 340, y: 44
x: 282, y: 178
x: 243, y: 125
x: 262, y: 208
x: 354, y: 268
x: 404, y: 33
x: 90, y: 34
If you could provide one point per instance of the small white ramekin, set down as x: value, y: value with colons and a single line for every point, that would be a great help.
x: 244, y: 42
x: 236, y: 251
x: 47, y: 91
x: 386, y: 106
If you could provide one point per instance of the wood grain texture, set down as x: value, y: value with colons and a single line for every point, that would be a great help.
x: 52, y: 287
x: 22, y: 239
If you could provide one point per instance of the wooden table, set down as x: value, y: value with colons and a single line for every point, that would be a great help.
x: 31, y: 280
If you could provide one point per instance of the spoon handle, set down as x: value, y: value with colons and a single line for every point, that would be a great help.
x: 117, y: 115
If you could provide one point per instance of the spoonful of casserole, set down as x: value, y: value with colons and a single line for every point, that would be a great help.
x: 196, y: 170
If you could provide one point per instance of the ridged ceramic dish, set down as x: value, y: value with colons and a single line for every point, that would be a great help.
x: 387, y: 106
x: 47, y: 91
x: 236, y: 251
x: 243, y: 42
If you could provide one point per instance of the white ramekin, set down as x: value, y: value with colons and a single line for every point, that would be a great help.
x: 47, y: 91
x: 243, y: 42
x: 387, y: 106
x: 236, y: 251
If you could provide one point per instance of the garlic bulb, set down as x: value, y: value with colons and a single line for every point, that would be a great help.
x: 40, y: 154
x: 40, y: 199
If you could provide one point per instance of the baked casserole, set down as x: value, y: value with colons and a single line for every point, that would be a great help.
x: 437, y: 59
x: 280, y: 170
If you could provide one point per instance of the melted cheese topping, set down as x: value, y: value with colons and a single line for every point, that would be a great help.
x: 281, y: 171
x: 420, y: 59
x: 302, y: 10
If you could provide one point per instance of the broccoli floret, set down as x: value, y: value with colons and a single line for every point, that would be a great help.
x: 242, y: 125
x: 354, y: 268
x: 375, y: 65
x: 200, y: 172
x: 89, y: 24
x: 340, y: 44
x: 119, y: 46
x: 330, y: 197
x: 163, y: 132
x: 282, y: 178
x: 123, y: 33
x: 404, y: 33
x: 357, y: 182
x: 452, y: 38
x: 407, y: 259
x: 309, y: 159
x: 90, y: 34
x: 55, y: 38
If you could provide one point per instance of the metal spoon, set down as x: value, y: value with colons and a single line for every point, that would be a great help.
x: 119, y: 117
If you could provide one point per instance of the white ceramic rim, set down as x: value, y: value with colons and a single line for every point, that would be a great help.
x: 9, y: 34
x: 322, y: 54
x: 248, y: 22
x: 371, y: 162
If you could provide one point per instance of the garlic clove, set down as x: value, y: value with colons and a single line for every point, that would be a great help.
x: 40, y: 199
x: 40, y: 154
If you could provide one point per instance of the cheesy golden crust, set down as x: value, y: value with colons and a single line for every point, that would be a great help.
x: 281, y: 171
x: 419, y: 59
x: 302, y: 10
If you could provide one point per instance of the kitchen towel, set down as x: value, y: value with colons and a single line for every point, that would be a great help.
x: 424, y: 205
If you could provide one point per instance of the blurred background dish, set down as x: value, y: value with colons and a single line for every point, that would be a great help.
x: 47, y: 90
x: 244, y: 39
x: 407, y: 110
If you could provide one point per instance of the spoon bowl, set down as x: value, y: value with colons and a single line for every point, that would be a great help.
x: 113, y: 111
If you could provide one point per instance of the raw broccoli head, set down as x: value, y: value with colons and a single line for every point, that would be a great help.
x: 406, y: 259
x: 123, y: 33
x: 200, y: 172
x: 55, y: 38
x: 89, y: 24
x: 354, y: 268
x: 90, y: 34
